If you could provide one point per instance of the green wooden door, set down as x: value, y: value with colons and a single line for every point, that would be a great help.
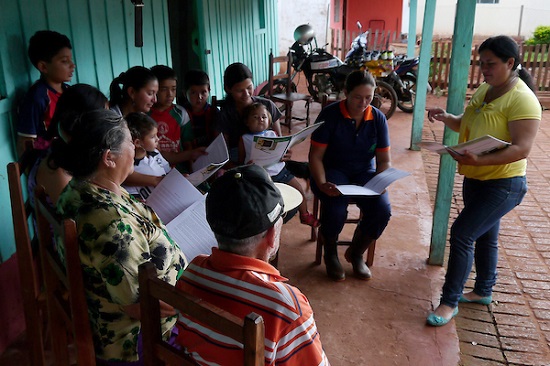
x: 236, y: 31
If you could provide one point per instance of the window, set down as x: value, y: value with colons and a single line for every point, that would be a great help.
x: 487, y: 1
x: 337, y: 11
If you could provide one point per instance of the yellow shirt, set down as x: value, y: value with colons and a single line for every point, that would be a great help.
x: 482, y: 119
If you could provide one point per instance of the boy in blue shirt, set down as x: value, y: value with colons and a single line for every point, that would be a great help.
x: 51, y: 53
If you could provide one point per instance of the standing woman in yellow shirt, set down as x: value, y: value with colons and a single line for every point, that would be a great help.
x: 505, y: 107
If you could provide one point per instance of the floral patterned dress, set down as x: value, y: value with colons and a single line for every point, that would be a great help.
x: 116, y: 234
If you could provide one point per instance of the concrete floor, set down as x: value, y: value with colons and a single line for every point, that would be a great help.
x: 382, y: 321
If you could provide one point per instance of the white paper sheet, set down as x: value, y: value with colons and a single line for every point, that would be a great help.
x: 376, y: 185
x: 217, y: 153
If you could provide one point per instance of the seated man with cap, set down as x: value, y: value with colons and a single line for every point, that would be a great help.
x: 244, y: 209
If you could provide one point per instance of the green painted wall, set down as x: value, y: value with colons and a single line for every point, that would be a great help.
x: 236, y: 31
x: 102, y: 34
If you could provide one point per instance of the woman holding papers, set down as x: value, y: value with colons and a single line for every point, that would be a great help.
x: 504, y: 107
x: 351, y: 147
x: 116, y: 233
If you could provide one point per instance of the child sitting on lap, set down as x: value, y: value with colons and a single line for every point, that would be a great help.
x: 148, y: 159
x: 258, y: 119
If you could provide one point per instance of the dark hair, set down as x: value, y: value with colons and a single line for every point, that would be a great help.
x: 164, y: 73
x: 195, y: 77
x: 235, y: 73
x: 253, y: 107
x: 45, y: 44
x: 505, y: 48
x: 136, y: 77
x: 93, y: 133
x: 357, y: 78
x: 140, y: 124
x: 77, y: 99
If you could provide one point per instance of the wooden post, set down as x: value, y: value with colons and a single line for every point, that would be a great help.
x: 423, y: 73
x: 411, y: 37
x: 458, y: 82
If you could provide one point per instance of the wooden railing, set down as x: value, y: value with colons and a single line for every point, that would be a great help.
x: 535, y: 58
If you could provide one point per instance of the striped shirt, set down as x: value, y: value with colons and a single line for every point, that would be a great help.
x: 241, y: 285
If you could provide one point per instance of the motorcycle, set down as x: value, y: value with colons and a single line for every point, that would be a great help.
x: 406, y: 69
x: 326, y: 74
x: 398, y: 72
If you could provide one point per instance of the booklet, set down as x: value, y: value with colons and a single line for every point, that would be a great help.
x: 267, y: 151
x: 479, y: 146
x: 182, y: 208
x: 206, y: 165
x: 376, y: 186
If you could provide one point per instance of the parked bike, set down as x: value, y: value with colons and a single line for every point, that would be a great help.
x: 326, y: 74
x: 398, y: 72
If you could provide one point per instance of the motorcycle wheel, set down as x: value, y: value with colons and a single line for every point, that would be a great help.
x: 406, y: 103
x: 385, y: 98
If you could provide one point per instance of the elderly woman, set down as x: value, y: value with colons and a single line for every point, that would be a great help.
x: 506, y: 108
x: 351, y: 147
x: 116, y: 233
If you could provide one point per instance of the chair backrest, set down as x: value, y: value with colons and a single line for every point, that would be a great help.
x: 65, y: 295
x: 34, y: 299
x: 250, y: 332
x: 284, y: 62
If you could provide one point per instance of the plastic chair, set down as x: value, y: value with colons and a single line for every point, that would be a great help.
x: 34, y: 298
x: 67, y: 307
x: 283, y: 90
x: 352, y: 220
x: 250, y: 331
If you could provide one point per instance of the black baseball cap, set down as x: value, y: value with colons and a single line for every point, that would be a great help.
x: 245, y: 202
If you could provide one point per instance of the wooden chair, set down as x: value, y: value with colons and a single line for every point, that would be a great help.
x: 250, y: 331
x: 32, y: 289
x: 282, y: 90
x: 352, y: 220
x: 67, y: 307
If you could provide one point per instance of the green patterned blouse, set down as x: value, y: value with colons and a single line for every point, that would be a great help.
x: 116, y: 235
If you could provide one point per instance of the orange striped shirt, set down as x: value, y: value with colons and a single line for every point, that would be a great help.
x: 241, y: 285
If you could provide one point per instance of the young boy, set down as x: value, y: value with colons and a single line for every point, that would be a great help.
x: 148, y: 159
x: 51, y: 53
x: 199, y: 131
x: 169, y: 116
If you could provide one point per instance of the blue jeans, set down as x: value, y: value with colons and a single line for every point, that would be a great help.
x: 334, y: 210
x: 485, y: 203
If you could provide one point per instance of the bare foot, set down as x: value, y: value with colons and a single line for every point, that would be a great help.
x: 472, y: 296
x: 444, y: 311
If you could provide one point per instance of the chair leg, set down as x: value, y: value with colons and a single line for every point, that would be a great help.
x: 370, y: 254
x: 316, y: 215
x: 319, y: 252
x: 307, y: 112
x: 288, y: 117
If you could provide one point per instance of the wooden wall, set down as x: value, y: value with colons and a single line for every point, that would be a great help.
x: 236, y: 31
x: 102, y: 34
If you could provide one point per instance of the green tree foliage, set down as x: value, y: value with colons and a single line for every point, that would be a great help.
x: 541, y: 35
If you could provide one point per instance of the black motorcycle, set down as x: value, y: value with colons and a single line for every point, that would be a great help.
x: 326, y: 74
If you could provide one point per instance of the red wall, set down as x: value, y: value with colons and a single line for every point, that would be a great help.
x: 375, y: 14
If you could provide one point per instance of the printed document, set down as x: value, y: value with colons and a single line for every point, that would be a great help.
x: 206, y: 165
x: 182, y: 208
x: 479, y: 146
x: 267, y: 151
x: 376, y: 186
